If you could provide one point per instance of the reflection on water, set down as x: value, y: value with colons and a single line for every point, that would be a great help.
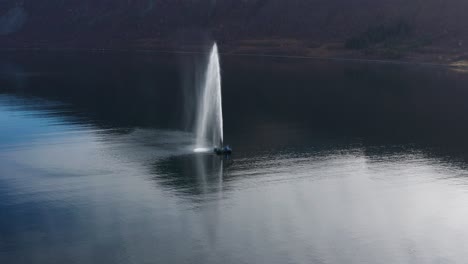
x: 197, y: 176
x: 95, y: 167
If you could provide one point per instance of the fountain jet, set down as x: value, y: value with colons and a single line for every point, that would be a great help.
x: 209, y: 122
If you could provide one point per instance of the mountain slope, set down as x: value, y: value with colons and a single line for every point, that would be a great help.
x: 439, y: 24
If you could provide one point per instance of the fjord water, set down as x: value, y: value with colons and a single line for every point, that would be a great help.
x: 209, y: 126
x: 335, y: 162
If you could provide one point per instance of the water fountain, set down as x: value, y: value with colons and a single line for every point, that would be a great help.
x: 209, y: 122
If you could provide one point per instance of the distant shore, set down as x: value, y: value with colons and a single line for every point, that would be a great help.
x: 266, y: 48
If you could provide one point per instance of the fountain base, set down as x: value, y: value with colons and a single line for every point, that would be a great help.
x: 222, y: 150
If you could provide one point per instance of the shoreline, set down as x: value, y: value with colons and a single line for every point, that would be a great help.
x: 350, y: 57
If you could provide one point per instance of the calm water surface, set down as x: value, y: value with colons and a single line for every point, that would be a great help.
x: 334, y: 162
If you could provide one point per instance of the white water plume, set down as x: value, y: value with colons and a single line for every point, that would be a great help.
x: 209, y: 123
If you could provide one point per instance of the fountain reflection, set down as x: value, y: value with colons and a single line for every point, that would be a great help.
x: 197, y: 176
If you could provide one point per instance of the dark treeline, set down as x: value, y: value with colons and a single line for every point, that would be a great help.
x: 379, y: 34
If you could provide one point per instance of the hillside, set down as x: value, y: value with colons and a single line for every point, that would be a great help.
x: 433, y: 29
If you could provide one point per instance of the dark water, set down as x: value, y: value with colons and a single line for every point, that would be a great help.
x: 334, y: 162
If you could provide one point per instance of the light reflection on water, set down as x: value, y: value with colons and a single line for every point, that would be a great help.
x: 74, y: 191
